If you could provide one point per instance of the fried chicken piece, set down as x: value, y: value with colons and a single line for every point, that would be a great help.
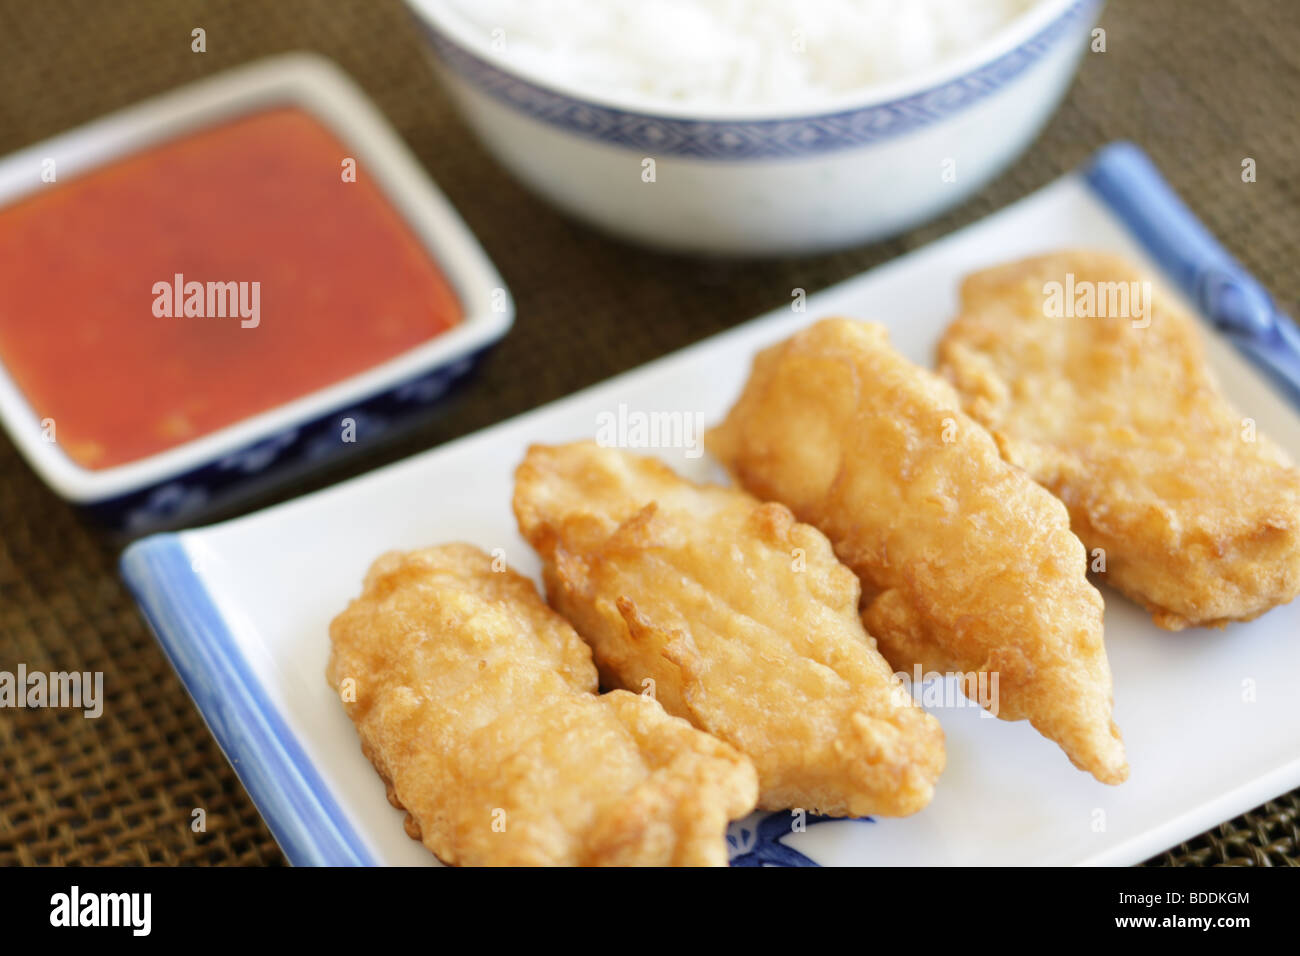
x: 476, y: 703
x: 1119, y: 416
x: 743, y: 620
x: 967, y: 566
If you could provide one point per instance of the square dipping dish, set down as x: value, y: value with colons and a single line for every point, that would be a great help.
x: 223, y: 287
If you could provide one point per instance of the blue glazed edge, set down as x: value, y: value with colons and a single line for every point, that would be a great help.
x: 288, y: 791
x: 1233, y: 300
x: 716, y: 139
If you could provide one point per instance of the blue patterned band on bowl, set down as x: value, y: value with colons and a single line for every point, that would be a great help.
x: 786, y: 138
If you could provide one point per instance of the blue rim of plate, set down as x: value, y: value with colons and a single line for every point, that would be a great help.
x: 783, y: 138
x: 288, y: 791
x: 304, y: 818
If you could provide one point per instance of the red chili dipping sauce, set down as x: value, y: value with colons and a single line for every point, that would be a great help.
x: 201, y: 281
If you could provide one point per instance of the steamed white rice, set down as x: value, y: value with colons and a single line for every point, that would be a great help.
x: 732, y: 52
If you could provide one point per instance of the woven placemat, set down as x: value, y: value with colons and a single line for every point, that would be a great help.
x: 1200, y: 84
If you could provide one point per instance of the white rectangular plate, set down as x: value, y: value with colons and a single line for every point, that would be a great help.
x: 243, y: 609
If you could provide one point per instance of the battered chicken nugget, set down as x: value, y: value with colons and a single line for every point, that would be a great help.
x: 967, y: 566
x: 476, y: 704
x: 1119, y: 416
x: 742, y: 618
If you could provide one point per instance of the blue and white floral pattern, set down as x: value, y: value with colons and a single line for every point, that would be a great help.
x: 755, y: 139
x: 259, y: 456
x: 164, y: 504
x: 351, y: 429
x: 759, y: 844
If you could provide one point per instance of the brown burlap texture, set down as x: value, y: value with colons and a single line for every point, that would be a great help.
x: 1200, y: 84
